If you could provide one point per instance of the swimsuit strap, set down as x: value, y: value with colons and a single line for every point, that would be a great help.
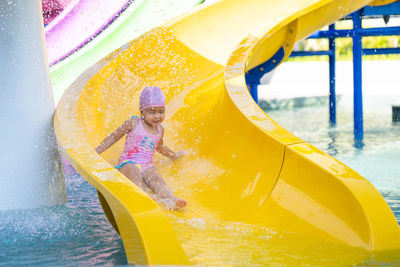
x: 141, y: 129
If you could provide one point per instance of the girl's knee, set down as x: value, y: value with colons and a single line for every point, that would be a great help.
x: 151, y: 172
x: 138, y: 180
x: 150, y: 175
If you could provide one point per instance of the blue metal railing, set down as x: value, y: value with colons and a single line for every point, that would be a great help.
x: 332, y: 77
x: 357, y: 73
x: 356, y: 33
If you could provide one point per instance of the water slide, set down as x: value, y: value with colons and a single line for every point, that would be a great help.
x: 80, y: 22
x: 108, y: 25
x: 253, y: 188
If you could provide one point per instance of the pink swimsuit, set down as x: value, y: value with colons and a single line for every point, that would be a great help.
x: 139, y: 147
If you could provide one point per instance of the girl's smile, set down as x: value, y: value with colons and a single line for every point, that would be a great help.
x: 153, y: 116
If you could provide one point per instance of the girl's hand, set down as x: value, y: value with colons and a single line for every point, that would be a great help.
x: 179, y: 154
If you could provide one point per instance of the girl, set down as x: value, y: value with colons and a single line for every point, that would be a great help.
x: 144, y: 136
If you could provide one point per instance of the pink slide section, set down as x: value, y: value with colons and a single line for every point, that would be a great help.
x: 78, y: 23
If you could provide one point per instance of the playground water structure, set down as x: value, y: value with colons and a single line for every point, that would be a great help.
x: 259, y: 239
x: 226, y: 197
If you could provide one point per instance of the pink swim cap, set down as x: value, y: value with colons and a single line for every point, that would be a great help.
x: 151, y: 97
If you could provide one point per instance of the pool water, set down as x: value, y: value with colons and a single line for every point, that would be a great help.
x: 74, y: 234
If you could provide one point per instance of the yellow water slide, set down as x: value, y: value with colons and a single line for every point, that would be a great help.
x: 251, y: 185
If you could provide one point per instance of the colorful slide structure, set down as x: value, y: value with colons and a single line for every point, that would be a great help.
x: 251, y: 185
x: 82, y: 20
x: 88, y: 30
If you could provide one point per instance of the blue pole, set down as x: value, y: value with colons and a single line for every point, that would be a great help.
x: 332, y: 82
x: 254, y: 91
x: 379, y: 31
x: 357, y: 77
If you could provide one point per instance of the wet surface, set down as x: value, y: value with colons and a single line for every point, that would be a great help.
x: 74, y: 234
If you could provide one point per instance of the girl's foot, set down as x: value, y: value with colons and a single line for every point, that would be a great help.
x: 180, y: 203
x: 174, y: 203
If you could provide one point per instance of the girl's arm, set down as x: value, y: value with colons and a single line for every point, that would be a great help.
x: 166, y: 151
x: 126, y: 127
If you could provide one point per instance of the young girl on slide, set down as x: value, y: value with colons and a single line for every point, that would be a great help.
x: 144, y: 137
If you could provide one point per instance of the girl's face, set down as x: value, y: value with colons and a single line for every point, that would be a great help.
x: 153, y: 115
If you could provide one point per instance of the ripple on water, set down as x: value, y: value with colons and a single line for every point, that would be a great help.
x: 74, y: 234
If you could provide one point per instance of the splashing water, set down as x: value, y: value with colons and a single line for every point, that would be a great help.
x: 74, y: 234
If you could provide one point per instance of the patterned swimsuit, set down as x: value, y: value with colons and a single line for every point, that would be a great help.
x: 139, y: 147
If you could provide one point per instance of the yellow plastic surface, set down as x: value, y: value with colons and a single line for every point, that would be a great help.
x: 243, y: 175
x: 382, y: 2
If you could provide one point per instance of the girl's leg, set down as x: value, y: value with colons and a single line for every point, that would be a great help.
x: 156, y: 183
x: 133, y: 173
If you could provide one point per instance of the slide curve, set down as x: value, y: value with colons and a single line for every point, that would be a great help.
x: 242, y: 170
x: 139, y: 17
x: 78, y: 23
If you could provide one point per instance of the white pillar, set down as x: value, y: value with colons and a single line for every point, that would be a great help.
x: 30, y: 167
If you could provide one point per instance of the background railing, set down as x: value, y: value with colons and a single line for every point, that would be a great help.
x: 356, y: 33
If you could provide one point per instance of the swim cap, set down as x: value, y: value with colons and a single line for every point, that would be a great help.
x: 151, y: 96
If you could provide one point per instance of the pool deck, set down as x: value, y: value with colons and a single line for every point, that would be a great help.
x: 311, y: 79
